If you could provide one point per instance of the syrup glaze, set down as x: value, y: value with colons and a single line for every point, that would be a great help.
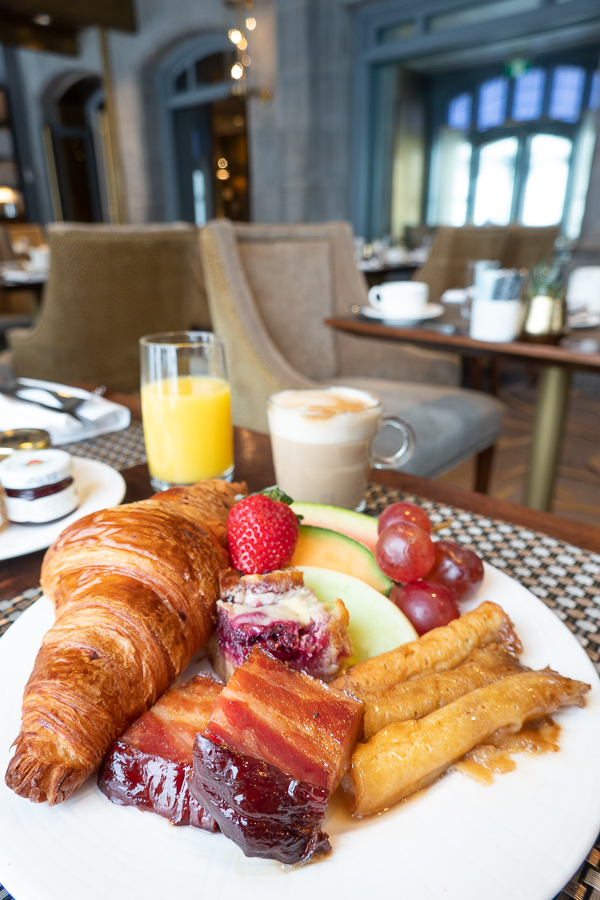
x: 482, y: 762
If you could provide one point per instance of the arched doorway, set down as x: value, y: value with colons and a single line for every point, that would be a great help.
x: 204, y: 133
x: 73, y: 111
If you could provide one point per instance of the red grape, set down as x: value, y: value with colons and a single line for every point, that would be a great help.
x: 458, y: 568
x: 404, y: 512
x: 404, y: 552
x: 425, y: 604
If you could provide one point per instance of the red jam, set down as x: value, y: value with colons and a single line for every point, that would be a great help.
x: 36, y: 493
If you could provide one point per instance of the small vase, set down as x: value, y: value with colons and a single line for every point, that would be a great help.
x: 545, y: 319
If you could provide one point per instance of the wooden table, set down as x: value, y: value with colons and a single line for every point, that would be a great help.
x: 580, y: 350
x: 253, y: 464
x: 34, y: 284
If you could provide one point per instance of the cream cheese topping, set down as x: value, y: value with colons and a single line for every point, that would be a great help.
x: 298, y: 605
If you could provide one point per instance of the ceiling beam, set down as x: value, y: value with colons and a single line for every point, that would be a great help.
x: 77, y: 13
x: 21, y: 31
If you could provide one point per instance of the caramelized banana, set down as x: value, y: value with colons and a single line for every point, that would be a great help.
x: 437, y: 651
x: 415, y: 699
x: 406, y: 756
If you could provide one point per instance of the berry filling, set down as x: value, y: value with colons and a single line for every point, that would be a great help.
x: 278, y: 613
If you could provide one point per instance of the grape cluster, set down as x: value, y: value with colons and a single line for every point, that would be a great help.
x: 431, y: 577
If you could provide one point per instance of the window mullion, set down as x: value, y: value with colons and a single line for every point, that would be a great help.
x: 521, y: 170
x: 474, y: 170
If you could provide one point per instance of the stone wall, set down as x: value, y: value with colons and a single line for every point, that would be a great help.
x: 300, y: 139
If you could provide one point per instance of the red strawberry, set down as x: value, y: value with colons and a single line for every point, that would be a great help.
x: 262, y: 534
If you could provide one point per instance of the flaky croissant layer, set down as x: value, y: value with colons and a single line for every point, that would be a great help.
x: 135, y: 589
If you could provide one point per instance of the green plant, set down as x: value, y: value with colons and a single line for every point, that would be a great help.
x: 547, y: 280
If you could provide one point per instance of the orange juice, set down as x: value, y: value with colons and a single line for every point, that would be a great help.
x: 187, y: 428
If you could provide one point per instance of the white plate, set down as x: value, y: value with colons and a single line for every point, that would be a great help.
x: 431, y: 311
x: 99, y: 486
x: 522, y: 838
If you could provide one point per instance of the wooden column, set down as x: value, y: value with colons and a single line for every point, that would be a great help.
x: 112, y: 155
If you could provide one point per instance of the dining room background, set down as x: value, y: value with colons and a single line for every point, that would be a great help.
x: 372, y: 112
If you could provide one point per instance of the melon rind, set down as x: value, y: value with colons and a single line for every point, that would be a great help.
x: 354, y: 525
x: 328, y: 549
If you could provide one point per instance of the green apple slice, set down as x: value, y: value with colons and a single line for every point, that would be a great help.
x: 376, y: 624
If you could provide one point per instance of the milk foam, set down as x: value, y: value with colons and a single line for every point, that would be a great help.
x: 324, y: 415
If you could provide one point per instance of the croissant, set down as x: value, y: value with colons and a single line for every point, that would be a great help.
x: 135, y: 591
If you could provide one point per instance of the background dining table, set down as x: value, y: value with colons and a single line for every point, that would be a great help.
x: 556, y: 559
x: 578, y: 350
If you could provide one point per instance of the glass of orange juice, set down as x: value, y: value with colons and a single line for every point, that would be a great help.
x: 186, y: 408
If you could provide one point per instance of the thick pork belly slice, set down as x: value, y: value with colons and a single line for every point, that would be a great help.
x: 150, y: 765
x: 304, y: 727
x: 266, y: 813
x: 279, y: 613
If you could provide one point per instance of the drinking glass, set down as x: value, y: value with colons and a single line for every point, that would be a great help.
x: 186, y: 408
x: 322, y: 443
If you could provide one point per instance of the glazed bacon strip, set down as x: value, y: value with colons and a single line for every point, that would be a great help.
x: 437, y: 651
x: 415, y: 699
x: 406, y: 756
x: 299, y: 724
x: 150, y: 765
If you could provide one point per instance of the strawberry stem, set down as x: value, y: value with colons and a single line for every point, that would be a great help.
x: 275, y: 493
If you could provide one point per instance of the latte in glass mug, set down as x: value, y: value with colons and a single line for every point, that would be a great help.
x: 321, y: 440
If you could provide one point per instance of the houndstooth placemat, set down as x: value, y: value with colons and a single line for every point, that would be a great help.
x: 566, y: 578
x: 119, y: 449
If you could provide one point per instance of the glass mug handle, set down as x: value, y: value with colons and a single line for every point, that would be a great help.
x: 406, y: 450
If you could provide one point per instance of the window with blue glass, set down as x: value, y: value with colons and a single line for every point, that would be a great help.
x: 459, y: 112
x: 491, y: 110
x: 528, y: 97
x: 527, y: 136
x: 568, y: 83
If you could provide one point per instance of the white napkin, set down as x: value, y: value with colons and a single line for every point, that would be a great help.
x: 63, y: 428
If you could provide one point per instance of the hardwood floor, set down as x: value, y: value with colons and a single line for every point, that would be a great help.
x: 577, y: 492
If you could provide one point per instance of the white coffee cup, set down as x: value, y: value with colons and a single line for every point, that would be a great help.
x: 400, y: 299
x: 497, y: 321
x: 39, y: 258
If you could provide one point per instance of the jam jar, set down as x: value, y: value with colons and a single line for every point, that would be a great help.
x: 38, y: 485
x: 23, y: 439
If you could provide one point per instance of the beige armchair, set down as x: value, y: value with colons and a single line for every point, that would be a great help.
x: 108, y: 286
x: 269, y: 289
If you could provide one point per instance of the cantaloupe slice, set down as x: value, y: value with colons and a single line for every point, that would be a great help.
x: 376, y: 624
x: 331, y: 550
x: 355, y: 525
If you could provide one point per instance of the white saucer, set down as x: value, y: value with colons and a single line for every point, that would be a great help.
x: 23, y: 276
x: 584, y: 320
x: 99, y: 487
x: 431, y: 311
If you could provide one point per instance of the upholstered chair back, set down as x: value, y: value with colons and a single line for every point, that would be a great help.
x: 515, y: 246
x: 108, y: 286
x: 526, y: 247
x: 270, y: 287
